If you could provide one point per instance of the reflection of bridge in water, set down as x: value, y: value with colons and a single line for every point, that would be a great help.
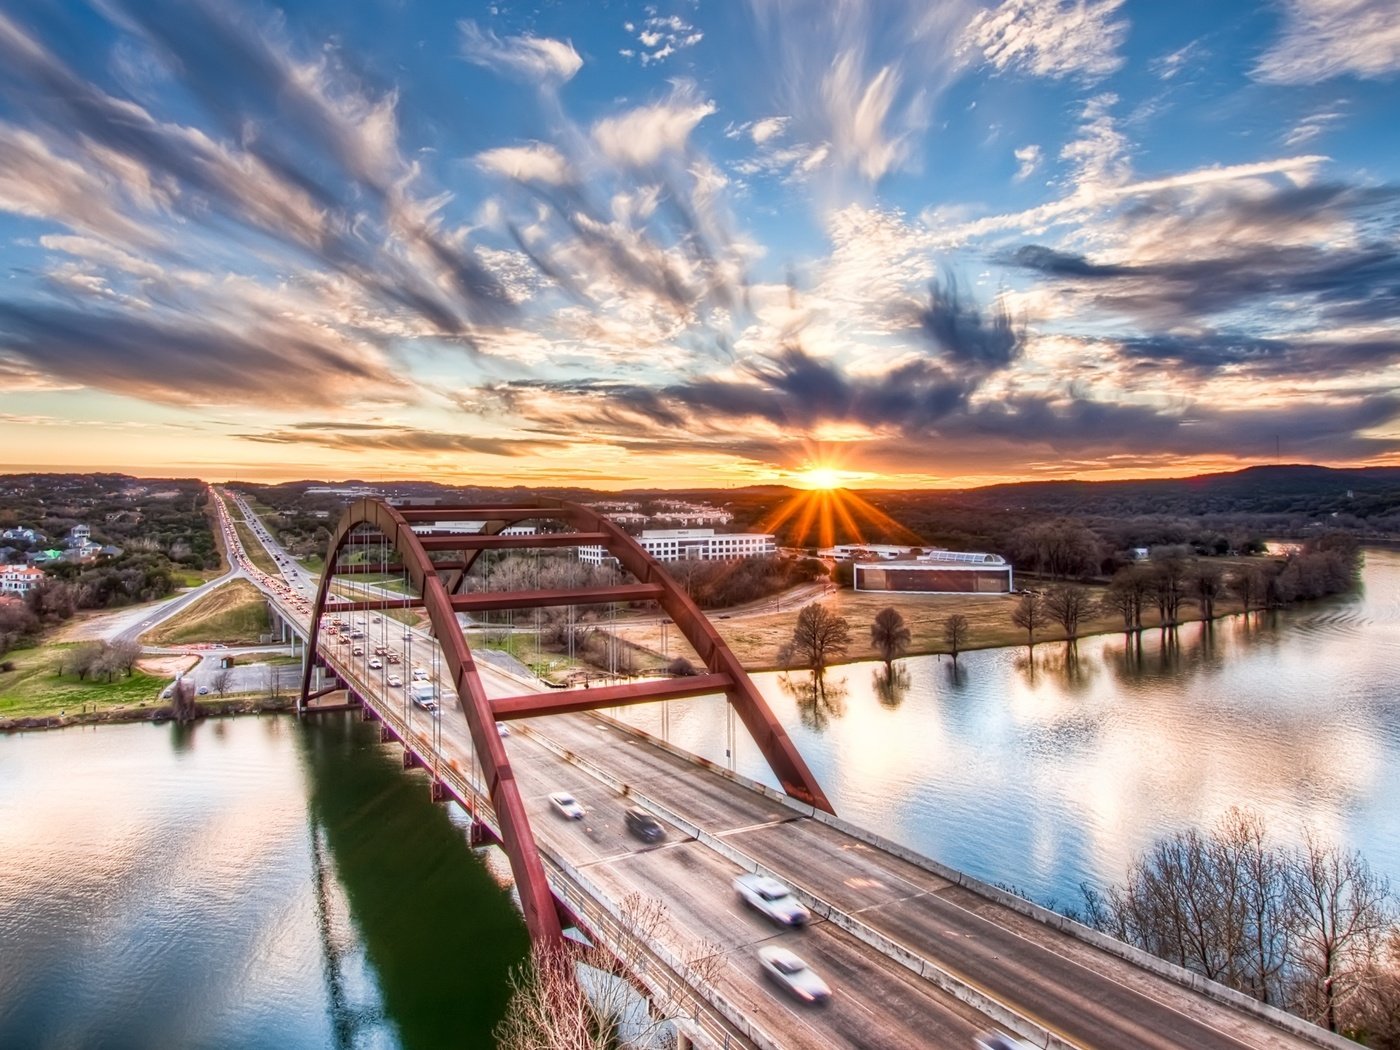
x: 919, y: 955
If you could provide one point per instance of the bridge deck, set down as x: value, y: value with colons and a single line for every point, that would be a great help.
x: 1079, y: 994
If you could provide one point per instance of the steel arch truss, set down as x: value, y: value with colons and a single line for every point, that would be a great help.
x: 436, y: 584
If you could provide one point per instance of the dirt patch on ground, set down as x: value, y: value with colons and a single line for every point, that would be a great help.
x: 167, y: 666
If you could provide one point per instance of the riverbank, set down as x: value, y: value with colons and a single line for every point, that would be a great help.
x: 147, y: 713
x: 756, y: 637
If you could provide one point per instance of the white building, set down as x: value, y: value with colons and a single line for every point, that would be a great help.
x: 25, y: 535
x: 19, y: 579
x: 471, y: 528
x: 867, y: 552
x: 693, y: 513
x: 937, y: 572
x: 692, y: 545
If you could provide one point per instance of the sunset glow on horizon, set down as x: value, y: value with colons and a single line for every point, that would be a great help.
x: 834, y: 247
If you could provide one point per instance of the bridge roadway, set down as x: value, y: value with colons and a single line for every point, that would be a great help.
x: 1081, y: 995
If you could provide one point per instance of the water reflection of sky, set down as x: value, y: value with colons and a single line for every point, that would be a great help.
x: 1049, y: 773
x: 153, y: 890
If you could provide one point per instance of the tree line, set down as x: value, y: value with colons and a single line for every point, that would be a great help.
x: 1309, y: 928
x: 1329, y: 566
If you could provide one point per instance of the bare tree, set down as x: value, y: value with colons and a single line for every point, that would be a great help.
x: 84, y: 660
x: 889, y: 635
x: 1206, y: 585
x: 1341, y: 914
x: 1030, y: 616
x: 124, y: 655
x: 550, y: 1008
x: 1248, y: 586
x: 1067, y: 605
x: 1126, y: 595
x: 1306, y: 929
x: 182, y: 706
x: 220, y: 680
x: 1169, y: 589
x: 955, y: 631
x: 818, y: 637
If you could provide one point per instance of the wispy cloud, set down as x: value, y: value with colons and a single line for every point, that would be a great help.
x: 529, y: 58
x: 1028, y: 158
x: 1051, y: 38
x: 1322, y: 39
x: 642, y: 136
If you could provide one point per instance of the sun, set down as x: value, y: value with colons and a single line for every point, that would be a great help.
x: 824, y: 478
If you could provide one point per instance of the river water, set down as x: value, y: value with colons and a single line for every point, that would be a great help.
x: 1049, y: 773
x: 263, y: 883
x: 250, y: 882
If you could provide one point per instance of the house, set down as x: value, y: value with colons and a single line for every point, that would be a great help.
x: 19, y: 580
x: 79, y: 535
x: 1139, y: 553
x: 23, y: 535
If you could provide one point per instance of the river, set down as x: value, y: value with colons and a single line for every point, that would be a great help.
x: 260, y: 882
x: 1043, y: 775
x: 251, y: 882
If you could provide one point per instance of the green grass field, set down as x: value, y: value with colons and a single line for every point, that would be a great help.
x: 35, y: 687
x: 256, y: 552
x: 235, y: 614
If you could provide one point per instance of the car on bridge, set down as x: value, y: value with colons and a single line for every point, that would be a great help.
x: 769, y: 896
x: 566, y: 805
x: 997, y: 1041
x: 395, y: 681
x: 794, y: 975
x: 375, y: 663
x: 643, y: 825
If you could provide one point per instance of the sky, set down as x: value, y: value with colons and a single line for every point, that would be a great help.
x: 700, y: 243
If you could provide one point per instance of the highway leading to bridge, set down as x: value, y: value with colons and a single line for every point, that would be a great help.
x: 888, y: 933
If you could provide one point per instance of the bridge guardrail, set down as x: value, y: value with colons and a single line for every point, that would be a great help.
x: 960, y: 988
x: 717, y: 1019
x: 1078, y: 931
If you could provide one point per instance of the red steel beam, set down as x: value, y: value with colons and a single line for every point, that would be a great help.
x: 475, y: 541
x: 626, y: 592
x: 483, y: 512
x: 528, y: 705
x: 726, y: 674
x: 374, y: 605
x: 532, y: 883
x: 364, y: 568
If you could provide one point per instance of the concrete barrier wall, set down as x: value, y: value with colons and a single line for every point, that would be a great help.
x: 911, y: 960
x: 1145, y: 960
x: 580, y: 893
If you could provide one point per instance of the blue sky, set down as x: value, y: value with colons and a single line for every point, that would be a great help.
x: 699, y: 243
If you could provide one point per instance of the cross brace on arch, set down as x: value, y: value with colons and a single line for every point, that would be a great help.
x: 436, y: 584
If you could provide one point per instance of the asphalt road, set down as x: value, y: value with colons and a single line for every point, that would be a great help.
x: 1091, y: 999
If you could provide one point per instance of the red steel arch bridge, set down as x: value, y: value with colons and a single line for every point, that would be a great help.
x: 920, y: 955
x: 375, y: 538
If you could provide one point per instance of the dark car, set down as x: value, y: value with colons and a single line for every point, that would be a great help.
x: 644, y: 825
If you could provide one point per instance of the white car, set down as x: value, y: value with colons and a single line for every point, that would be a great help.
x: 375, y: 663
x: 772, y: 898
x: 997, y: 1041
x: 566, y: 805
x: 395, y: 681
x: 793, y: 974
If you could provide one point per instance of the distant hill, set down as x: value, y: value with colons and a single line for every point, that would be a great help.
x: 1287, y: 489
